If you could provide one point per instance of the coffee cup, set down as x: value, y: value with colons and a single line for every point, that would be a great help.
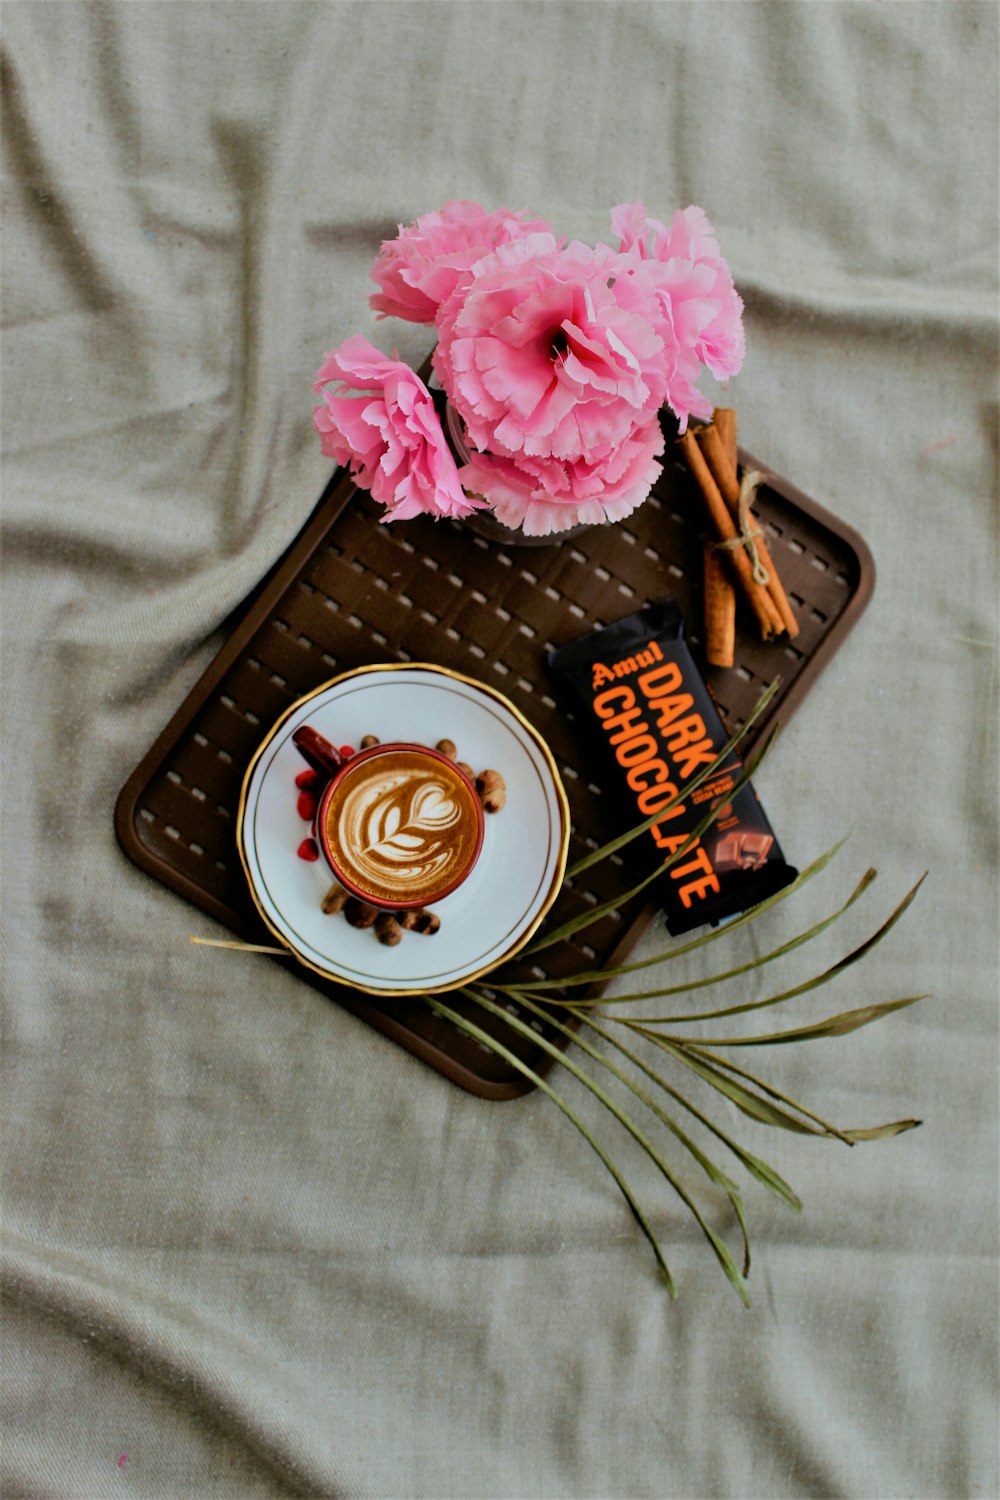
x: 399, y: 824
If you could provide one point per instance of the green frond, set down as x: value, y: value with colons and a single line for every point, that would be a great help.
x: 602, y: 975
x: 479, y: 1035
x: 718, y: 1245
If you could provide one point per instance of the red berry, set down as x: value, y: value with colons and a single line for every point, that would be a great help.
x: 309, y: 850
x: 346, y: 751
x: 306, y: 806
x: 307, y: 778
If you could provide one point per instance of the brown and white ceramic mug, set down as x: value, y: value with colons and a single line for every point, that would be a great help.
x: 399, y: 824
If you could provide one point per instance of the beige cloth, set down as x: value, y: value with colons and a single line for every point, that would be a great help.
x: 250, y: 1247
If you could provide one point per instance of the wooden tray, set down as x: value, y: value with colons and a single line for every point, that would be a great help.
x: 351, y: 591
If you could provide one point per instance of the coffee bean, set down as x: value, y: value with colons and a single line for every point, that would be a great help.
x: 492, y: 790
x: 387, y: 929
x: 359, y: 913
x: 335, y: 900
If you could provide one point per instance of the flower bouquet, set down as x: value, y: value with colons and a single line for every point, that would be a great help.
x: 554, y: 363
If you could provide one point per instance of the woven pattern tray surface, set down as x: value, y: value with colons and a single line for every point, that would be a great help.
x: 351, y: 592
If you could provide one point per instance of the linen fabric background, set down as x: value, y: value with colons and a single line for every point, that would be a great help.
x: 250, y: 1247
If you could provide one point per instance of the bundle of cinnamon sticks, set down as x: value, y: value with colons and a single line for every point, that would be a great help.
x: 736, y: 556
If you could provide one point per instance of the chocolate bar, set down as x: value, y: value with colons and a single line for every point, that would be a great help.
x: 651, y: 721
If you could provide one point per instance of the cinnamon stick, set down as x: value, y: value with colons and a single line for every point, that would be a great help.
x: 724, y: 420
x: 715, y: 448
x: 718, y: 592
x: 719, y: 610
x: 757, y: 598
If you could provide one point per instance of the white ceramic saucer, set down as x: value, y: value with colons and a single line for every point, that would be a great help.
x: 518, y: 873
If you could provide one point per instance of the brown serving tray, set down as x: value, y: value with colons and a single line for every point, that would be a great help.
x: 350, y: 592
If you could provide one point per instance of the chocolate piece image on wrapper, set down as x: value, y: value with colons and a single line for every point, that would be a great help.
x: 743, y: 850
x: 651, y: 726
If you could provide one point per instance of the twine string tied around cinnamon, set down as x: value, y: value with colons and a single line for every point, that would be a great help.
x: 748, y: 530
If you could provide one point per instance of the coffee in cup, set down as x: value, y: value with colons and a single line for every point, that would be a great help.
x: 400, y: 825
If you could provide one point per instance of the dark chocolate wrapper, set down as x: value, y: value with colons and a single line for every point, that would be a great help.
x: 650, y: 721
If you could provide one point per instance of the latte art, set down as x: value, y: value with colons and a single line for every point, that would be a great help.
x: 403, y: 826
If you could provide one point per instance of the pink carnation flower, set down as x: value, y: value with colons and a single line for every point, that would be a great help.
x: 377, y: 416
x: 421, y: 267
x: 545, y: 355
x: 701, y: 312
x: 547, y: 495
